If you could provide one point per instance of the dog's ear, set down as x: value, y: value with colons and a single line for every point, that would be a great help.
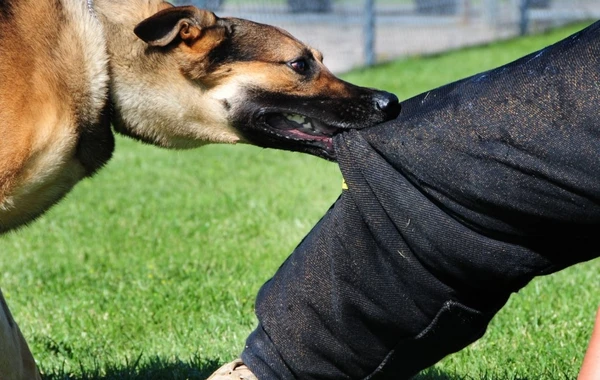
x: 169, y: 24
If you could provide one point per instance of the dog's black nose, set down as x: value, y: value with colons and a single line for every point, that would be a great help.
x: 387, y: 103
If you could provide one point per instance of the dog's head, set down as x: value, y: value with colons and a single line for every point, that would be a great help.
x: 261, y: 84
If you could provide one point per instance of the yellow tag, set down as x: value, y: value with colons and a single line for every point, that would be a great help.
x: 344, y: 184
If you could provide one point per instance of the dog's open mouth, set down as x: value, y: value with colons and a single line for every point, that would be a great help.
x: 303, y: 127
x: 298, y: 132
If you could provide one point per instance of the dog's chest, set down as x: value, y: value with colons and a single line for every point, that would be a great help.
x: 49, y: 172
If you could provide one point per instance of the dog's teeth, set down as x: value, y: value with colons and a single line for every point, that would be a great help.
x: 308, y: 125
x: 295, y: 118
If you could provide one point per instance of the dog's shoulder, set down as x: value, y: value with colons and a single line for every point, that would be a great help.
x: 54, y: 83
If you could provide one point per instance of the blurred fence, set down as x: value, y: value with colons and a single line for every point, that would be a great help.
x: 354, y: 33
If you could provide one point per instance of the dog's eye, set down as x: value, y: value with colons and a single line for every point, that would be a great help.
x: 300, y: 66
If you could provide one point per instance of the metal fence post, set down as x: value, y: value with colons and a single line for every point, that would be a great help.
x: 524, y: 17
x: 464, y: 10
x: 490, y: 12
x: 369, y: 32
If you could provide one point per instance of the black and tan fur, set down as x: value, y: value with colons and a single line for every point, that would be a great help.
x: 176, y: 77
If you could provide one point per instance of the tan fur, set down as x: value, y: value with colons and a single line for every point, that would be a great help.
x: 276, y: 79
x: 179, y: 115
x: 171, y: 86
x: 53, y: 80
x: 40, y: 110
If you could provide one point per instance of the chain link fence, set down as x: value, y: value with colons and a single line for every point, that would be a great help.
x: 354, y: 33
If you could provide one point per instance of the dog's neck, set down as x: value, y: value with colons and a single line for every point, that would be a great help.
x: 152, y: 100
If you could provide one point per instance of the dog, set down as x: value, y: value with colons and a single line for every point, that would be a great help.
x: 175, y: 77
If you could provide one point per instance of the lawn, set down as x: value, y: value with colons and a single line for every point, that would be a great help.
x: 149, y: 270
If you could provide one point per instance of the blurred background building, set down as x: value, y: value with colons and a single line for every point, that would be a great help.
x: 354, y: 33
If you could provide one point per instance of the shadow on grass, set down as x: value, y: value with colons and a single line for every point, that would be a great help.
x: 436, y: 374
x: 195, y: 369
x: 151, y: 369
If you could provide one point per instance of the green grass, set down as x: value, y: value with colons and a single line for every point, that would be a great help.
x: 149, y: 270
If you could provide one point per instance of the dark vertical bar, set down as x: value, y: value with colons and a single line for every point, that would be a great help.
x: 369, y: 32
x: 524, y: 24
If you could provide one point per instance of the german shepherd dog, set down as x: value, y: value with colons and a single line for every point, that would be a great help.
x: 176, y: 77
